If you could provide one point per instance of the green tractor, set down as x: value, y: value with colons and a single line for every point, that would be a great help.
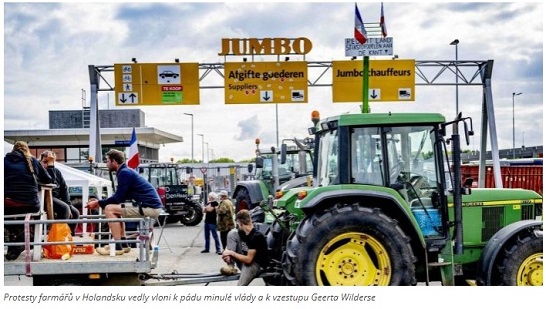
x: 388, y: 206
x: 275, y: 170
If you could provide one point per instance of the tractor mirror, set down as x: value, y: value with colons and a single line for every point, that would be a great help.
x: 283, y: 153
x: 250, y: 167
x: 466, y: 133
x: 259, y: 162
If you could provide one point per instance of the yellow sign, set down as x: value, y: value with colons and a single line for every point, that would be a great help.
x: 265, y: 82
x: 390, y: 80
x: 157, y: 84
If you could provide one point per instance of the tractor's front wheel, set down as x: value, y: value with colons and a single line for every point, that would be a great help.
x: 194, y: 214
x: 350, y: 245
x: 521, y: 263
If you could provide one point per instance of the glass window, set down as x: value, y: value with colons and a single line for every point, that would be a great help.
x: 410, y: 157
x: 77, y: 154
x: 366, y: 156
x: 414, y: 162
x: 328, y: 172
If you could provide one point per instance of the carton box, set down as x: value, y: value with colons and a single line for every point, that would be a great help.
x: 83, y: 249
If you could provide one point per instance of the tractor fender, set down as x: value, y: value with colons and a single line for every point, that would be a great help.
x: 496, y: 244
x: 293, y: 183
x: 400, y: 209
x: 256, y: 189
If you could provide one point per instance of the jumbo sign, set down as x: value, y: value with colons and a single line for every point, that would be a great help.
x: 267, y: 46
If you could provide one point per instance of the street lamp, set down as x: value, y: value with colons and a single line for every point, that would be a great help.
x: 456, y: 43
x: 212, y: 154
x: 191, y: 135
x: 514, y: 126
x: 202, y: 147
x: 205, y: 187
x: 208, y: 158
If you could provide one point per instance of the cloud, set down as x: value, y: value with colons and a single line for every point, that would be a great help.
x: 46, y: 59
x: 249, y: 128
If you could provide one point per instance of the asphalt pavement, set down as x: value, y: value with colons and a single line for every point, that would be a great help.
x: 179, y: 252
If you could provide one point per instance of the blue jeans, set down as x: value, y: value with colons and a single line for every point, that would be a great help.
x: 212, y: 229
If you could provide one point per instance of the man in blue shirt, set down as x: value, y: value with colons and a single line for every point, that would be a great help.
x: 131, y: 186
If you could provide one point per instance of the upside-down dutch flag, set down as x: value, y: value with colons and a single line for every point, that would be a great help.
x: 382, y: 23
x: 360, y: 32
x: 134, y: 159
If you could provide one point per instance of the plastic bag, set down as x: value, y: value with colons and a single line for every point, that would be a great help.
x: 59, y: 232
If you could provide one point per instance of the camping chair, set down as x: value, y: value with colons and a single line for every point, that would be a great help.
x: 162, y: 222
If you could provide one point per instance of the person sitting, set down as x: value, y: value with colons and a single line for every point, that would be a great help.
x: 62, y: 206
x: 131, y: 186
x: 22, y: 175
x: 246, y: 247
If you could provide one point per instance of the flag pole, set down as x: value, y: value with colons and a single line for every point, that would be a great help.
x: 365, y: 85
x: 361, y: 37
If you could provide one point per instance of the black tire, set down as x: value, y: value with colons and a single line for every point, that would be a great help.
x: 276, y: 239
x: 521, y: 261
x: 242, y: 200
x: 350, y: 245
x: 194, y: 216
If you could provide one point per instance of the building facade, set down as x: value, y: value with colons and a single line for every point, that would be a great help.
x: 68, y: 136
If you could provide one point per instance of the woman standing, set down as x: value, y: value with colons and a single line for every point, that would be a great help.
x: 210, y: 223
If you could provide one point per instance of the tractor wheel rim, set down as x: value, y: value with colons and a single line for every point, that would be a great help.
x: 530, y: 271
x: 353, y: 259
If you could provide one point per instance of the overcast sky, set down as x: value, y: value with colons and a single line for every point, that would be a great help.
x: 48, y: 47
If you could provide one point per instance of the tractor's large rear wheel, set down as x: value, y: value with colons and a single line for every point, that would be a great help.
x: 522, y: 261
x: 242, y: 199
x: 350, y: 245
